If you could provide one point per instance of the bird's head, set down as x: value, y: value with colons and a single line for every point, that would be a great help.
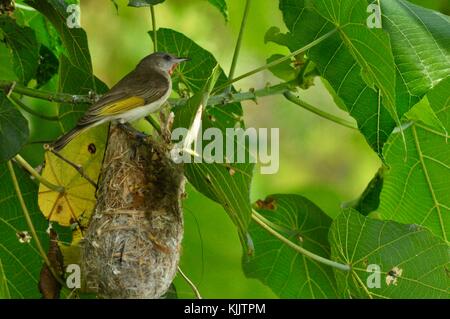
x: 162, y: 61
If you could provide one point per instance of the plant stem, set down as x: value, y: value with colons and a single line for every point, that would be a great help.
x: 237, y: 49
x: 46, y: 95
x: 257, y: 218
x: 155, y: 35
x: 190, y: 283
x: 251, y: 95
x: 154, y: 123
x: 30, y: 223
x: 36, y: 175
x: 278, y: 61
x: 22, y: 105
x: 291, y: 97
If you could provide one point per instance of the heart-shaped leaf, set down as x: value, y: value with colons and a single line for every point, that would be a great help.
x: 24, y: 47
x: 288, y: 273
x: 416, y: 188
x: 389, y: 260
x: 13, y: 129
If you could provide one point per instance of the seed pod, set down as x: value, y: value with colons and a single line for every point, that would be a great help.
x: 132, y: 245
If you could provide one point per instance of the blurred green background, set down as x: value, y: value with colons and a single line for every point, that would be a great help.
x: 321, y: 160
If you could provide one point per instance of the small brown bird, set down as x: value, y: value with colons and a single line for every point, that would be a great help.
x: 141, y: 92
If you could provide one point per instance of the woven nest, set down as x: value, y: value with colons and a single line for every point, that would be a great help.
x: 132, y: 245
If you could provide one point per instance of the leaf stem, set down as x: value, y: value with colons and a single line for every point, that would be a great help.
x: 237, y: 49
x: 259, y: 220
x: 190, y: 283
x: 40, y: 178
x: 15, y: 100
x: 278, y: 61
x: 291, y: 97
x: 155, y: 34
x: 30, y: 223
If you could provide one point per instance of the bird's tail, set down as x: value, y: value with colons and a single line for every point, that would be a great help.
x: 66, y: 138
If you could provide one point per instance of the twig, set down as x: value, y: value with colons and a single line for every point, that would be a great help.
x: 291, y: 97
x: 46, y: 95
x: 257, y: 218
x: 40, y: 178
x: 190, y: 283
x: 30, y: 224
x: 278, y: 61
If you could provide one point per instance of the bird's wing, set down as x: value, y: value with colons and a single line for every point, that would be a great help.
x: 129, y: 93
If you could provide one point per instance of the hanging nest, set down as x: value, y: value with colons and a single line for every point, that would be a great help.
x: 132, y: 245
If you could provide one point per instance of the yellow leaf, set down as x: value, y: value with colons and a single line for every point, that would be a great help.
x: 76, y: 203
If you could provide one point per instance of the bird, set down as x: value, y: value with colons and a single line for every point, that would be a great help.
x: 139, y: 93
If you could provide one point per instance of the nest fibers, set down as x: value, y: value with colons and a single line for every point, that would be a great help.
x: 132, y: 245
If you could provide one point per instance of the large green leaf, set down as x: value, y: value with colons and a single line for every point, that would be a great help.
x: 4, y: 290
x: 24, y: 46
x: 407, y: 260
x: 335, y: 58
x: 370, y: 47
x: 288, y: 273
x: 370, y: 198
x: 6, y: 66
x: 416, y: 188
x: 227, y: 184
x: 73, y: 39
x: 13, y: 129
x: 221, y: 5
x: 21, y: 261
x: 420, y: 42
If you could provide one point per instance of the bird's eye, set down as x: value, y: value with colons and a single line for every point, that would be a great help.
x: 167, y: 57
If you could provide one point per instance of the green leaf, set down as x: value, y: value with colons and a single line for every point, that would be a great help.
x: 370, y: 198
x: 73, y: 39
x: 48, y: 66
x: 227, y: 184
x: 222, y: 6
x: 24, y: 47
x: 412, y: 262
x: 420, y: 43
x: 370, y: 47
x: 21, y: 261
x: 288, y: 273
x: 4, y: 290
x: 336, y: 63
x: 285, y: 70
x: 6, y: 67
x: 416, y: 188
x: 143, y: 3
x: 13, y: 129
x: 439, y: 100
x: 75, y: 81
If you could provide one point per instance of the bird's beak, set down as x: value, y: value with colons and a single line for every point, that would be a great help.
x: 179, y: 60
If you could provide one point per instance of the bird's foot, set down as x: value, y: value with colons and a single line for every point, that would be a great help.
x: 131, y: 131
